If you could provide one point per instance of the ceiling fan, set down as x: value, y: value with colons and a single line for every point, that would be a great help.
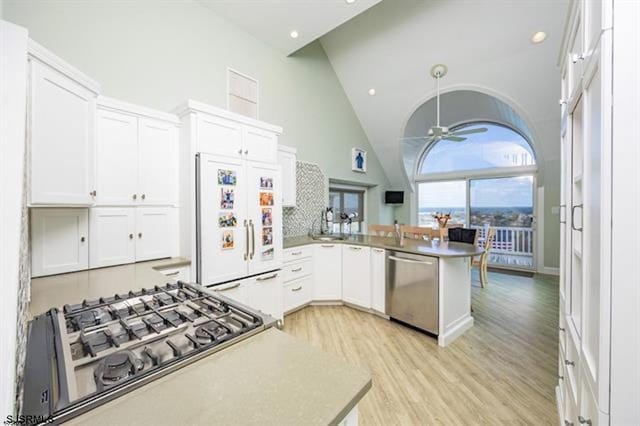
x: 439, y: 132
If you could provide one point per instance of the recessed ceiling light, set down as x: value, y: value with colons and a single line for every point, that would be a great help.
x: 294, y: 34
x: 372, y: 92
x: 350, y: 1
x: 538, y: 37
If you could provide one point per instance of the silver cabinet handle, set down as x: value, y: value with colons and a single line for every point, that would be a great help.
x: 171, y: 274
x: 131, y: 236
x: 584, y: 421
x: 246, y: 151
x: 327, y: 245
x: 377, y: 250
x: 297, y: 269
x: 270, y: 277
x: 355, y: 248
x: 143, y: 196
x: 246, y: 240
x: 296, y: 253
x: 253, y: 239
x: 236, y: 285
x: 93, y: 193
x: 82, y: 239
x: 568, y: 423
x: 134, y: 196
x: 571, y: 363
x: 561, y: 377
x: 561, y: 328
x: 401, y: 259
x: 297, y: 288
x: 573, y: 220
x: 240, y: 151
x: 139, y: 234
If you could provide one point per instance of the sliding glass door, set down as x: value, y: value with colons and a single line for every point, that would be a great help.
x: 442, y: 197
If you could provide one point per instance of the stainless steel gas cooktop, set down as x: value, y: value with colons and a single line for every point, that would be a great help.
x: 86, y: 354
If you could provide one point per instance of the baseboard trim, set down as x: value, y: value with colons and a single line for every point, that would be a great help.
x: 456, y: 330
x: 548, y: 270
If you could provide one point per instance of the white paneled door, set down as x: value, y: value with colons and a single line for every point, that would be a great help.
x: 62, y: 115
x: 116, y: 158
x: 356, y: 275
x: 111, y: 236
x: 155, y: 230
x: 157, y: 152
x: 219, y: 136
x: 59, y: 241
x: 259, y: 145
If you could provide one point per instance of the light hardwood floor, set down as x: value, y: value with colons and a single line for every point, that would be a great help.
x: 501, y: 372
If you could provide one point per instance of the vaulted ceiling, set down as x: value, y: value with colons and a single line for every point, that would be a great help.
x: 485, y: 43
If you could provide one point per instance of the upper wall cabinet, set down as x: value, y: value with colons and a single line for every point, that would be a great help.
x: 287, y: 160
x: 136, y: 155
x: 221, y: 132
x: 61, y: 131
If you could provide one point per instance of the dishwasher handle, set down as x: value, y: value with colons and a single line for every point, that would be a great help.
x: 401, y: 259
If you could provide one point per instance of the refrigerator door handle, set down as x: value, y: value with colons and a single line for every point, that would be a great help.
x: 253, y: 239
x: 246, y: 240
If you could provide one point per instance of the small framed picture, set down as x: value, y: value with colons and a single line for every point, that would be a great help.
x: 266, y: 183
x: 227, y: 240
x: 226, y: 177
x: 267, y: 236
x: 267, y: 219
x: 227, y: 220
x: 358, y: 160
x: 266, y: 198
x: 267, y: 254
x: 226, y: 198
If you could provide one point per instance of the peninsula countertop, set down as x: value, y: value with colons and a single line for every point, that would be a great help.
x: 427, y: 248
x: 269, y: 378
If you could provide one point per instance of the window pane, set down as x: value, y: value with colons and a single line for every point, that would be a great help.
x: 347, y: 201
x: 499, y: 146
x: 502, y: 202
x: 442, y: 197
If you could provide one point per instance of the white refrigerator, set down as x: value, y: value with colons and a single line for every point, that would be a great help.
x: 239, y: 218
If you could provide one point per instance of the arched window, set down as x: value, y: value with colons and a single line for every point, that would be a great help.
x: 498, y: 147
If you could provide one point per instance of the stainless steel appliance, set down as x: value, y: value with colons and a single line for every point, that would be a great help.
x: 84, y: 355
x: 412, y: 290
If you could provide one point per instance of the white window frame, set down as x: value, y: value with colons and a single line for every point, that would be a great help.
x: 365, y: 189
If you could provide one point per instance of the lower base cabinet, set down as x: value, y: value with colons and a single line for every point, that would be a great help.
x: 262, y: 292
x: 356, y: 275
x: 297, y: 293
x: 327, y: 272
x: 378, y: 280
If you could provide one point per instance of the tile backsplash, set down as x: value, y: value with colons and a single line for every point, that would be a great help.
x: 311, y: 197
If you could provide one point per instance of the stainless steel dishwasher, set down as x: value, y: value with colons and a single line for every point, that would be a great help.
x: 412, y: 289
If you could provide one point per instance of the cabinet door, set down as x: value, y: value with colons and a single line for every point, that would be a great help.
x: 287, y: 161
x: 576, y: 217
x: 219, y: 136
x: 155, y: 229
x: 265, y: 294
x: 157, y: 162
x: 111, y: 236
x: 222, y: 225
x: 327, y: 272
x: 259, y: 145
x: 116, y: 159
x: 61, y: 131
x: 59, y: 241
x: 378, y: 279
x: 264, y: 211
x: 356, y: 275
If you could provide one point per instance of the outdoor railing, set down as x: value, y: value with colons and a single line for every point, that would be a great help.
x: 509, y: 240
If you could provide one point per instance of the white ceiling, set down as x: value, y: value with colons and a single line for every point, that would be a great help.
x: 273, y: 20
x: 485, y: 43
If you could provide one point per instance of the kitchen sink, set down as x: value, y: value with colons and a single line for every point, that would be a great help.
x: 327, y: 237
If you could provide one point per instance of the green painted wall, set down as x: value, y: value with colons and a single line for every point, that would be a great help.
x: 162, y: 53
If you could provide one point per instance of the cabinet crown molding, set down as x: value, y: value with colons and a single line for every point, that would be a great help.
x: 191, y: 106
x: 41, y: 54
x: 105, y: 102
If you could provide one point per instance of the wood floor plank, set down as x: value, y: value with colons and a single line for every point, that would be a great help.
x: 501, y: 372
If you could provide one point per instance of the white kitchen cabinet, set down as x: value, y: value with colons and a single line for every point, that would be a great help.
x: 264, y: 293
x: 327, y: 272
x: 59, y: 241
x: 259, y: 144
x: 236, y: 290
x: 356, y: 275
x: 61, y: 135
x: 136, y: 155
x: 111, y: 236
x: 287, y: 160
x: 219, y: 136
x: 378, y: 280
x: 155, y: 232
x: 297, y: 293
x: 157, y: 162
x: 116, y: 158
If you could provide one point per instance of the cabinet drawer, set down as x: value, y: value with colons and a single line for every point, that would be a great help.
x: 297, y: 293
x: 562, y: 332
x: 571, y: 363
x: 293, y: 271
x: 176, y: 274
x: 297, y: 253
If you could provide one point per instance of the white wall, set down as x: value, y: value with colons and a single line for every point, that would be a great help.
x: 160, y: 53
x: 13, y: 47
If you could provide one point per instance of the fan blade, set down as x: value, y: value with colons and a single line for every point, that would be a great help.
x: 470, y: 131
x: 414, y: 138
x: 454, y: 138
